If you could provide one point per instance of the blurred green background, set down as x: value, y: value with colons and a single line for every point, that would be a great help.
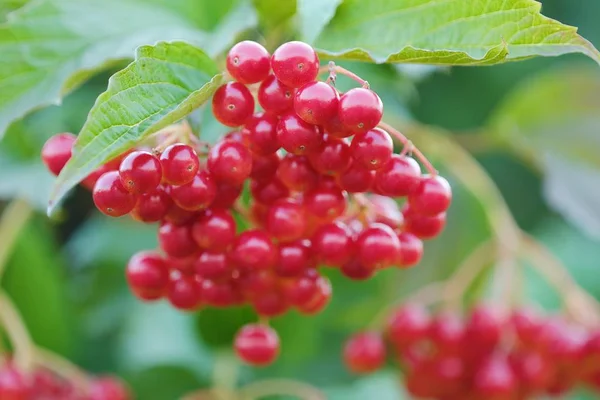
x: 534, y: 126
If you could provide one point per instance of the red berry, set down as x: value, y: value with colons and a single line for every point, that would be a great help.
x: 219, y: 294
x: 385, y: 210
x: 184, y: 293
x: 332, y: 158
x: 296, y: 136
x: 57, y: 151
x: 90, y: 181
x: 147, y: 275
x: 271, y: 303
x: 180, y: 164
x: 356, y: 270
x: 400, y: 176
x: 495, y: 380
x: 257, y: 344
x: 140, y: 172
x: 357, y: 178
x: 248, y: 62
x: 447, y: 333
x: 232, y: 104
x: 527, y: 326
x: 195, y: 195
x: 302, y: 289
x: 411, y: 249
x: 532, y: 370
x: 215, y: 230
x: 294, y: 258
x: 286, y: 220
x: 432, y: 196
x: 316, y: 102
x: 185, y: 265
x: 333, y: 244
x: 423, y: 227
x: 13, y: 384
x: 254, y: 283
x: 377, y: 246
x: 230, y: 162
x: 226, y: 195
x: 253, y: 250
x: 274, y: 96
x: 319, y: 299
x: 213, y: 265
x: 265, y: 167
x: 296, y: 173
x: 335, y: 128
x: 483, y: 332
x: 268, y: 192
x: 295, y: 64
x: 152, y: 206
x: 372, y: 149
x: 261, y: 134
x: 175, y: 240
x: 108, y: 388
x: 407, y: 325
x: 364, y: 352
x: 110, y: 196
x: 178, y: 216
x: 360, y: 110
x: 325, y: 204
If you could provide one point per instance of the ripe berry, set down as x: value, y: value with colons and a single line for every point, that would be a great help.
x: 257, y: 344
x: 407, y: 325
x: 385, y: 210
x: 357, y: 178
x: 110, y: 196
x: 316, y: 102
x: 372, y: 149
x: 261, y: 134
x: 296, y: 173
x: 252, y: 284
x: 253, y: 249
x: 294, y: 258
x: 213, y: 265
x: 265, y: 167
x: 147, y: 275
x: 319, y: 299
x: 423, y: 227
x: 447, y: 332
x: 532, y: 370
x: 274, y: 96
x: 57, y: 151
x: 495, y: 380
x: 325, y: 204
x: 271, y: 303
x: 332, y: 158
x: 152, y: 206
x: 400, y: 176
x: 90, y: 181
x: 364, y: 352
x: 180, y: 164
x: 268, y: 192
x: 411, y: 250
x: 296, y: 136
x: 195, y: 195
x: 527, y: 326
x: 360, y: 110
x: 248, y: 62
x: 230, y: 162
x: 432, y: 196
x: 175, y: 240
x: 333, y: 244
x: 178, y: 216
x: 232, y: 104
x: 219, y: 294
x: 295, y: 64
x: 108, y: 388
x: 356, y: 270
x: 226, y: 195
x: 286, y: 220
x: 335, y: 128
x: 215, y: 230
x: 140, y: 172
x: 483, y: 330
x: 377, y: 246
x: 184, y: 265
x: 184, y: 293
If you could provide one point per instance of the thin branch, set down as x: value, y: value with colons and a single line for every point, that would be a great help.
x: 18, y: 335
x: 62, y: 367
x: 13, y: 220
x: 405, y: 142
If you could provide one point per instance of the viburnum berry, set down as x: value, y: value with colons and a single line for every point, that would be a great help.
x: 424, y: 227
x: 260, y: 134
x: 219, y: 294
x: 274, y: 96
x: 294, y: 258
x: 215, y: 230
x: 184, y: 265
x: 320, y: 298
x: 213, y: 265
x: 265, y: 167
x: 399, y: 176
x: 152, y: 206
x: 357, y: 178
x: 411, y: 250
x: 325, y: 204
x: 407, y: 325
x: 230, y: 162
x: 364, y: 352
x: 296, y: 173
x: 335, y: 128
x: 90, y: 181
x: 295, y: 64
x: 226, y: 196
x: 431, y: 197
x: 447, y: 333
x: 111, y: 197
x: 271, y: 303
x: 286, y: 220
x: 356, y: 270
x: 385, y: 210
x: 232, y: 104
x: 108, y: 388
x: 316, y: 102
x: 184, y: 293
x: 332, y: 158
x: 140, y: 172
x: 269, y: 191
x: 254, y: 250
x: 257, y: 344
x: 360, y: 110
x: 296, y: 136
x: 495, y: 380
x: 148, y: 275
x: 179, y: 163
x: 57, y: 151
x: 178, y: 216
x: 176, y: 240
x: 378, y: 246
x: 333, y: 244
x: 372, y: 149
x: 248, y: 62
x: 198, y: 194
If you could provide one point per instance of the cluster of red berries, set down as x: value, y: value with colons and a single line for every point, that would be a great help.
x: 43, y: 384
x: 486, y: 356
x: 322, y: 178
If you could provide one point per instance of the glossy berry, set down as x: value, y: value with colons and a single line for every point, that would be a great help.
x: 265, y: 167
x: 180, y: 164
x: 176, y: 240
x: 495, y: 380
x: 364, y: 352
x: 230, y: 162
x: 184, y: 265
x: 226, y: 196
x: 286, y: 220
x: 294, y: 258
x: 274, y: 96
x: 333, y: 244
x: 195, y: 195
x: 432, y: 196
x: 232, y: 104
x: 356, y: 270
x: 335, y: 128
x: 271, y: 303
x: 184, y: 293
x: 447, y: 333
x: 152, y: 206
x: 484, y: 329
x: 257, y: 344
x: 378, y: 246
x: 108, y: 388
x: 316, y: 102
x: 296, y: 173
x: 372, y: 149
x: 178, y: 216
x: 57, y: 151
x: 110, y: 197
x: 332, y: 158
x: 360, y: 110
x: 248, y: 62
x: 254, y: 250
x: 140, y: 172
x: 325, y: 204
x: 357, y: 178
x: 423, y: 227
x: 147, y: 275
x: 411, y: 250
x: 296, y: 136
x: 213, y: 265
x: 385, y: 210
x: 295, y: 64
x: 215, y: 230
x: 407, y: 325
x: 90, y: 181
x: 219, y: 294
x: 319, y: 299
x: 399, y: 176
x: 268, y: 192
x: 261, y: 134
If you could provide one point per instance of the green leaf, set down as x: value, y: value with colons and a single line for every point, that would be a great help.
x: 273, y: 13
x: 314, y: 15
x: 164, y: 84
x: 8, y: 6
x: 51, y: 46
x: 30, y: 181
x: 552, y: 121
x: 454, y: 32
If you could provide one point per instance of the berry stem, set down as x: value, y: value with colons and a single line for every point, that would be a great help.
x: 17, y: 333
x: 336, y: 69
x: 62, y: 367
x: 285, y: 387
x: 411, y: 148
x: 225, y: 371
x: 13, y: 220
